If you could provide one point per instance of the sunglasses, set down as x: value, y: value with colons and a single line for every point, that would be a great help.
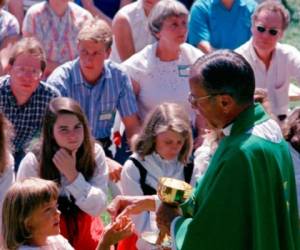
x: 262, y: 29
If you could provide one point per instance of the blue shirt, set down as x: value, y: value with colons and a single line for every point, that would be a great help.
x: 26, y: 119
x: 108, y: 7
x: 222, y: 28
x: 113, y: 91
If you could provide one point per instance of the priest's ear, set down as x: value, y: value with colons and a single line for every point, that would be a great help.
x: 226, y: 103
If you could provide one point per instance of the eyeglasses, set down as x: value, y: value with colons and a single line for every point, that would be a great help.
x: 23, y: 70
x: 194, y: 100
x: 262, y: 29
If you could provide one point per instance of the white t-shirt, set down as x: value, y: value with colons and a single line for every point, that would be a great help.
x: 57, y: 242
x: 162, y: 81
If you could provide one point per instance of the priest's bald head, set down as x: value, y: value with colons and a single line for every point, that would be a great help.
x: 222, y: 86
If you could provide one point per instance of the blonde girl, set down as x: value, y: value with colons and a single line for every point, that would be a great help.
x: 30, y: 218
x: 162, y: 148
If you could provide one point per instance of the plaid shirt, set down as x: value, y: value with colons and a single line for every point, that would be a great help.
x: 26, y: 119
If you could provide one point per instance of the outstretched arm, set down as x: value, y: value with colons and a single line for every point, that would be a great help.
x: 126, y: 205
x: 115, y: 231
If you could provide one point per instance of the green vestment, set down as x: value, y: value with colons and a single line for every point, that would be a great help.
x: 247, y: 199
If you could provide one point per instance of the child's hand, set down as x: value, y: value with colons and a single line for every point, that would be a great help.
x: 114, y: 170
x: 118, y: 230
x: 66, y: 164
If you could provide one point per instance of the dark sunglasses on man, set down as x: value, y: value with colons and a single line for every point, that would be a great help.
x: 262, y: 29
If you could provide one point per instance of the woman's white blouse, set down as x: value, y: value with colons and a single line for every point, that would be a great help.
x: 162, y: 81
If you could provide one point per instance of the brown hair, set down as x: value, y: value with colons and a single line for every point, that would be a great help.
x: 166, y: 116
x: 5, y: 143
x: 85, y: 157
x: 292, y: 129
x: 28, y: 45
x: 273, y: 6
x: 20, y: 201
x: 96, y: 30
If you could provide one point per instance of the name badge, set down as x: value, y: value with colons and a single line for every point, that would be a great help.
x: 106, y: 116
x: 183, y: 70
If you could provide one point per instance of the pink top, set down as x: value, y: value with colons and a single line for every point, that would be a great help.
x: 57, y: 34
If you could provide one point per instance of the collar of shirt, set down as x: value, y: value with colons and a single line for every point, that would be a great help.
x: 254, y: 56
x: 55, y: 16
x: 8, y: 91
x: 235, y: 2
x: 106, y: 73
x: 227, y: 129
x: 13, y: 99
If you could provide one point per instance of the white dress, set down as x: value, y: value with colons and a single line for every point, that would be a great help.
x: 130, y: 181
x: 138, y: 23
x: 90, y: 196
x: 162, y: 81
x: 57, y: 242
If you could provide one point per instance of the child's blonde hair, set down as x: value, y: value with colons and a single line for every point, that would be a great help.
x: 19, y: 203
x: 166, y: 116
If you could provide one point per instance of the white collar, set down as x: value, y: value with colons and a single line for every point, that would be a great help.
x: 227, y: 129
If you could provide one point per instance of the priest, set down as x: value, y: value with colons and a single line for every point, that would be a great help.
x: 247, y: 198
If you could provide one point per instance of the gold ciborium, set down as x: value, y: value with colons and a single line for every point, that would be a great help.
x: 173, y: 192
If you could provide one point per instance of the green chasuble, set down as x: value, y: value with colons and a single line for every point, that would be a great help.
x: 247, y: 198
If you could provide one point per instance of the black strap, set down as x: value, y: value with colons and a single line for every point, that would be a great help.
x: 188, y: 171
x: 147, y: 190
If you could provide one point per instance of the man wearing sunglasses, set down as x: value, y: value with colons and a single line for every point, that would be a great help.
x: 274, y: 64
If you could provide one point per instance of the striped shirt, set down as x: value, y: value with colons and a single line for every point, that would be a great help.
x: 26, y: 119
x: 100, y: 101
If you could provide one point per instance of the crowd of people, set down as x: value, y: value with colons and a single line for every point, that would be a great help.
x: 103, y: 98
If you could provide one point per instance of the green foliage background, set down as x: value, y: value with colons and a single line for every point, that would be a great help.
x: 292, y: 34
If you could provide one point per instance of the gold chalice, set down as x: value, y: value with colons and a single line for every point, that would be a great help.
x: 173, y: 192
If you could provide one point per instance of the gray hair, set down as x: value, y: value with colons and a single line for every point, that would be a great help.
x: 273, y: 6
x: 161, y: 11
x: 225, y: 72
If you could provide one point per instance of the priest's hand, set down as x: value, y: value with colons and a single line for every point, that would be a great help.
x: 164, y: 217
